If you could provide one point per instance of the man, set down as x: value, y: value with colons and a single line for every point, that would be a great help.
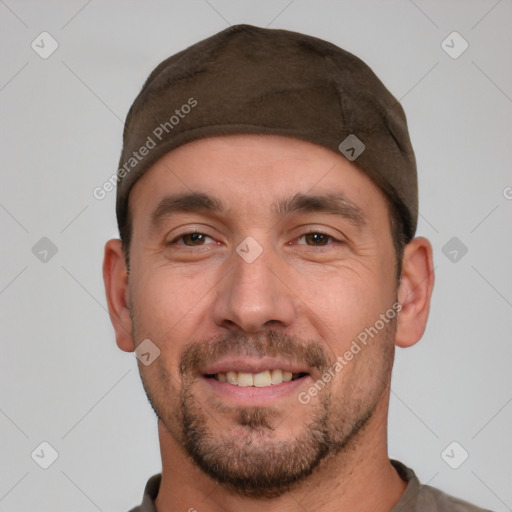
x: 267, y: 267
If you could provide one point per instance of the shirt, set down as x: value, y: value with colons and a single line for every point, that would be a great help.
x: 416, y: 498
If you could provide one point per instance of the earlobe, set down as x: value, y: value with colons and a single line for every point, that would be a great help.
x: 415, y: 291
x: 115, y: 279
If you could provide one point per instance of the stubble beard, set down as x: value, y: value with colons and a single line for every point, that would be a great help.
x: 258, y: 465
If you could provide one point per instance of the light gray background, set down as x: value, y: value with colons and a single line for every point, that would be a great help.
x: 63, y: 379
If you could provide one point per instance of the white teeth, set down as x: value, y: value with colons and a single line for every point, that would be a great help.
x: 245, y: 379
x: 262, y: 379
x: 259, y: 380
x: 277, y: 376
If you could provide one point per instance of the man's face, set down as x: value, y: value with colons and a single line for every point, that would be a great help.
x: 236, y: 318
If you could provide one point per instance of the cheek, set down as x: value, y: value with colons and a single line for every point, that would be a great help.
x: 344, y: 302
x: 169, y: 307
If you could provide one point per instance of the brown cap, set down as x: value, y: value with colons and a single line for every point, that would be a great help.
x: 248, y: 79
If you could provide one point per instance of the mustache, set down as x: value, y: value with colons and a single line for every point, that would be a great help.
x: 270, y: 344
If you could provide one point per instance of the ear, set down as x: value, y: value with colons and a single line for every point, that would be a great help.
x: 115, y: 278
x: 415, y: 291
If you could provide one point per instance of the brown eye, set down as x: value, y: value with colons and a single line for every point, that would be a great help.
x: 192, y: 239
x: 316, y: 239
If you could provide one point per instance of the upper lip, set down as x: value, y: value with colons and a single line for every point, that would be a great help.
x: 252, y: 365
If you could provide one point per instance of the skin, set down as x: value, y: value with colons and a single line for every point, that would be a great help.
x: 315, y: 291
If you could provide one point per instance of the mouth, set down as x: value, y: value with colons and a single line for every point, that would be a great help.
x: 249, y: 381
x: 261, y: 379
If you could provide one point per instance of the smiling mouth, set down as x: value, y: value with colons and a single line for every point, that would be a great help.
x: 259, y: 380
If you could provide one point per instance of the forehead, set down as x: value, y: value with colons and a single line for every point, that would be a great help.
x: 250, y: 172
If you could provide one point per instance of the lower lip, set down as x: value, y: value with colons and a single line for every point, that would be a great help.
x: 253, y: 396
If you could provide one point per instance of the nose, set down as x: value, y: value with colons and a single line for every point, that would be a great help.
x: 255, y: 295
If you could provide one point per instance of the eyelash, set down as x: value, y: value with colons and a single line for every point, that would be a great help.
x: 317, y: 232
x: 195, y: 232
x: 310, y: 232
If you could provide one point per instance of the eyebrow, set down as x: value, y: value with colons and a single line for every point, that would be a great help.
x: 198, y: 202
x: 335, y: 204
x: 195, y: 202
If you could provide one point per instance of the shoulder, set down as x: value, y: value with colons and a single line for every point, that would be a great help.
x: 424, y: 498
x: 431, y: 499
x: 150, y: 494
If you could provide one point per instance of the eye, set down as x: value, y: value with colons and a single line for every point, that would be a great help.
x: 316, y: 239
x: 192, y: 239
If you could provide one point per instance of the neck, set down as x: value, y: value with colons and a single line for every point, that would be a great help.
x: 361, y: 478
